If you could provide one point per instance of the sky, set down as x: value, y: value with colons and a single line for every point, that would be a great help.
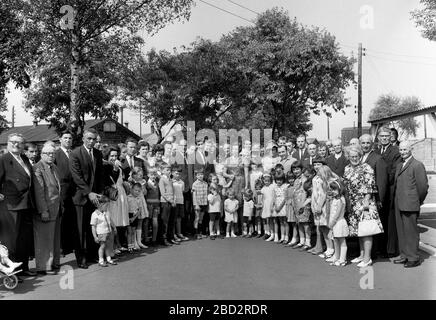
x: 398, y: 59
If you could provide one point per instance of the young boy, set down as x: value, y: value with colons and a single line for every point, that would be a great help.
x: 153, y: 201
x: 102, y: 227
x: 199, y: 200
x: 179, y: 210
x: 166, y: 202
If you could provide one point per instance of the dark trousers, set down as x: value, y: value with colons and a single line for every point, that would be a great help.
x: 391, y: 232
x: 85, y: 247
x: 68, y: 225
x: 188, y: 219
x: 24, y: 237
x: 122, y: 236
x: 380, y: 245
x: 165, y: 216
x: 408, y: 234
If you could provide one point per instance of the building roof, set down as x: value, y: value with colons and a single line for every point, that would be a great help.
x: 40, y: 132
x: 399, y: 116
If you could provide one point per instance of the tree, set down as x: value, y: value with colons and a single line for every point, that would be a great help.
x: 388, y: 105
x: 17, y: 47
x: 425, y: 17
x: 91, y: 24
x: 3, y: 107
x: 272, y: 74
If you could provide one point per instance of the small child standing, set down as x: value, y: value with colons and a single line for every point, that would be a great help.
x: 258, y: 205
x: 248, y: 213
x: 255, y: 174
x: 153, y: 201
x: 167, y: 202
x: 102, y: 227
x: 305, y: 215
x: 214, y: 200
x: 290, y: 213
x: 338, y: 224
x: 136, y: 176
x: 221, y: 192
x: 231, y: 206
x: 135, y: 206
x: 7, y: 265
x: 280, y: 208
x: 267, y: 206
x: 179, y: 214
x: 199, y: 201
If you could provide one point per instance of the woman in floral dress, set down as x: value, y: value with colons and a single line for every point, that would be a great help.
x: 361, y: 188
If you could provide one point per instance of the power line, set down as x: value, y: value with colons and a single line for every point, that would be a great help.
x: 373, y: 66
x: 240, y: 5
x: 229, y: 12
x: 401, y: 61
x: 401, y: 55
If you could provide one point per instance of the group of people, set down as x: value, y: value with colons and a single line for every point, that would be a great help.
x: 99, y: 201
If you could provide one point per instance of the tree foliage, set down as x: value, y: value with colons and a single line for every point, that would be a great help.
x: 388, y: 105
x: 272, y: 74
x: 425, y: 19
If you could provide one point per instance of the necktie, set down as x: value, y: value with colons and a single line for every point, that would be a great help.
x: 131, y: 162
x: 383, y: 150
x: 67, y: 152
x: 300, y: 154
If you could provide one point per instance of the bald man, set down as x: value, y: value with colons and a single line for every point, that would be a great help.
x: 410, y: 190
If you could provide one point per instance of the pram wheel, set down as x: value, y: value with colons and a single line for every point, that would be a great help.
x: 10, y: 282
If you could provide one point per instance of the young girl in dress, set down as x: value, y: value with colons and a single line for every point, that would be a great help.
x: 258, y: 205
x: 337, y: 223
x: 248, y: 213
x: 136, y: 176
x: 280, y: 208
x: 305, y: 214
x: 214, y: 199
x: 290, y: 214
x: 231, y: 206
x: 255, y: 174
x: 267, y: 207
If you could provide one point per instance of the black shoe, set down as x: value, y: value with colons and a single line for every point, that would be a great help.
x: 166, y: 243
x: 56, y: 267
x: 83, y: 266
x: 412, y: 264
x: 212, y: 237
x: 28, y: 273
x: 47, y: 272
x: 400, y: 261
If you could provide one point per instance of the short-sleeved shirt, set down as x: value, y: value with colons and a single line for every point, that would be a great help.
x: 178, y: 186
x: 248, y: 208
x: 231, y: 204
x: 101, y: 221
x: 215, y: 206
x: 199, y: 193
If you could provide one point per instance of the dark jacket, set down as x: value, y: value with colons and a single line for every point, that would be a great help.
x: 381, y: 176
x: 392, y: 158
x: 63, y: 166
x: 337, y: 165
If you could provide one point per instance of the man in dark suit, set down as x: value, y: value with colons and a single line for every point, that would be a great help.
x: 131, y: 160
x: 301, y: 151
x: 382, y: 197
x: 312, y: 152
x: 16, y: 189
x: 410, y: 190
x: 337, y: 161
x: 86, y: 165
x: 68, y: 222
x: 391, y: 156
x: 394, y: 137
x: 204, y: 157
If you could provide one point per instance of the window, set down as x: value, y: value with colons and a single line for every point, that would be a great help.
x: 109, y: 126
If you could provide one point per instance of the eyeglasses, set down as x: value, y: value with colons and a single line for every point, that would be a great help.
x: 49, y: 153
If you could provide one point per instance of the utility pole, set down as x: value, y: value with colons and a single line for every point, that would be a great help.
x: 13, y: 116
x: 328, y: 128
x: 121, y: 115
x: 140, y: 122
x: 425, y: 127
x: 359, y: 91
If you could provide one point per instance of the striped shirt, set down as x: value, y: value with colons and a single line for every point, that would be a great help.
x: 199, y: 193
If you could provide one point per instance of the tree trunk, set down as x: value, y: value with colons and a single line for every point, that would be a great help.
x: 75, y: 85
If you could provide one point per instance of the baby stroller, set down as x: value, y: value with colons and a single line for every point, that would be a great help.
x: 10, y: 280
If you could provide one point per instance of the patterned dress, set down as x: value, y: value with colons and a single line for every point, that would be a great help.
x: 280, y: 197
x: 319, y: 202
x: 299, y: 199
x: 359, y: 182
x: 290, y: 214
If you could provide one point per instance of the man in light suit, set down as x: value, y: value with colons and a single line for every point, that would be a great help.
x: 68, y: 221
x: 47, y: 218
x: 382, y: 197
x: 410, y: 190
x: 16, y: 189
x: 86, y: 165
x: 337, y: 161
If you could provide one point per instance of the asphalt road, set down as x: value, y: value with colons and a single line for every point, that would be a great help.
x: 229, y: 269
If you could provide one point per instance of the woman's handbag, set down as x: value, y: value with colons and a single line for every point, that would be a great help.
x: 367, y: 227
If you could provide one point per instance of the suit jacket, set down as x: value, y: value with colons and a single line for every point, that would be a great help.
x: 137, y: 162
x: 64, y: 173
x: 15, y: 183
x: 48, y: 189
x: 306, y: 161
x: 296, y: 154
x: 337, y: 165
x: 392, y: 158
x: 87, y: 178
x: 381, y: 176
x: 202, y: 161
x: 411, y: 185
